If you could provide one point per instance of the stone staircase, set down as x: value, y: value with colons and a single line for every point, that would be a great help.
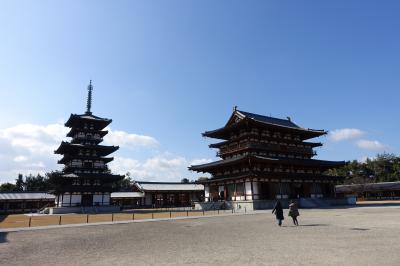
x: 216, y: 205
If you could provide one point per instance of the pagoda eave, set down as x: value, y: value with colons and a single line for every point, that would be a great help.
x: 77, y: 120
x: 67, y: 158
x: 92, y: 176
x: 66, y: 147
x: 248, y: 159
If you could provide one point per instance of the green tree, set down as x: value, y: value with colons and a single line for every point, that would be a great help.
x: 124, y: 184
x: 7, y: 187
x: 19, y: 183
x: 383, y: 168
x: 185, y: 180
x: 37, y: 183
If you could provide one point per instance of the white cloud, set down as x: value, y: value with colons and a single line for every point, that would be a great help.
x: 127, y: 140
x: 20, y: 158
x: 164, y: 167
x: 345, y: 134
x: 29, y: 148
x: 373, y: 145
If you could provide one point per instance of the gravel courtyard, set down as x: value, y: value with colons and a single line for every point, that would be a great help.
x: 358, y: 236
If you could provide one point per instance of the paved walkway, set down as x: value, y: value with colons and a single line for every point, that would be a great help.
x: 352, y: 236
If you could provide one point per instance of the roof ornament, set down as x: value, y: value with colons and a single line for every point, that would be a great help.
x: 89, y: 99
x: 235, y: 108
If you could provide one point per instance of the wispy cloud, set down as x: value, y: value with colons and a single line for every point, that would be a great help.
x: 372, y: 145
x: 345, y: 134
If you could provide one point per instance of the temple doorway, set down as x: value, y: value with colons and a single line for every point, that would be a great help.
x: 87, y: 200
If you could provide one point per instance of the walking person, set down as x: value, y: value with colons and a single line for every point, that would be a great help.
x: 294, y: 212
x: 278, y: 210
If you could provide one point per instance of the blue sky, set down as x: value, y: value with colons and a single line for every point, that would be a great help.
x: 170, y: 70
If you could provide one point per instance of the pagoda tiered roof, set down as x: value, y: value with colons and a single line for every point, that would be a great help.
x: 77, y: 121
x: 241, y: 118
x: 102, y: 176
x: 67, y: 158
x: 102, y: 150
x: 249, y: 159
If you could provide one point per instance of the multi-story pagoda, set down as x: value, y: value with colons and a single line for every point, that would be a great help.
x: 85, y: 179
x: 265, y: 158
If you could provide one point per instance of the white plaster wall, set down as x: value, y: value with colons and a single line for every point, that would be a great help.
x: 255, y: 189
x: 247, y: 185
x: 206, y: 192
x: 76, y: 199
x: 238, y: 198
x: 66, y: 199
x: 106, y: 199
x: 97, y: 199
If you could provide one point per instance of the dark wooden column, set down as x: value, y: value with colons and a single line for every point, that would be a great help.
x: 244, y: 189
x: 225, y: 192
x: 251, y: 186
x: 235, y: 190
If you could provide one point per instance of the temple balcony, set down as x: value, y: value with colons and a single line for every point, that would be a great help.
x: 267, y: 148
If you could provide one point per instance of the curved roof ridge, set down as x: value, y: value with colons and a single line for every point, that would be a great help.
x: 269, y: 119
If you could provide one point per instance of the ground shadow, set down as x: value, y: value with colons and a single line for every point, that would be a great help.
x: 3, y: 237
x: 386, y: 204
x: 359, y: 229
x: 310, y: 225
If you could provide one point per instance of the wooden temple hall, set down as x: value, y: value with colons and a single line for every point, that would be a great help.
x: 266, y: 158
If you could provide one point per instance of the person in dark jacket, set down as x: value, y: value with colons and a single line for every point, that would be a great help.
x: 294, y: 212
x: 278, y: 210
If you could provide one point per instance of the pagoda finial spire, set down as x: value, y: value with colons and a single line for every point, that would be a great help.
x: 89, y: 98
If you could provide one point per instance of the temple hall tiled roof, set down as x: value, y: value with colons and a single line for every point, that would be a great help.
x: 269, y: 119
x: 26, y: 196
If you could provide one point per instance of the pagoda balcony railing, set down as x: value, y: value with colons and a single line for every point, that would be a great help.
x: 271, y: 136
x: 268, y: 148
x: 83, y: 137
x: 272, y: 175
x: 79, y: 136
x: 82, y: 169
x: 81, y: 165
